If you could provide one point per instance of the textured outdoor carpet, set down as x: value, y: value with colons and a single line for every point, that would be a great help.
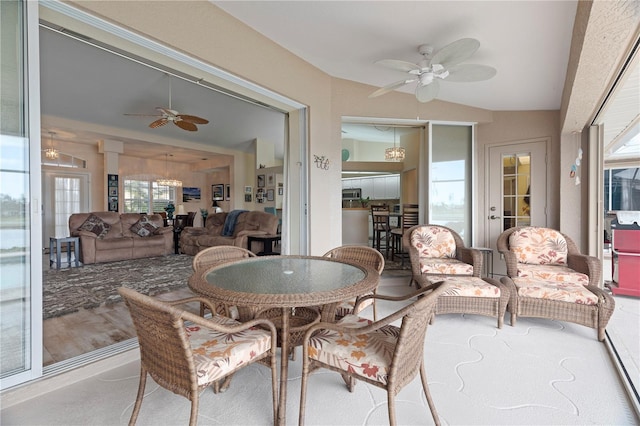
x: 90, y: 286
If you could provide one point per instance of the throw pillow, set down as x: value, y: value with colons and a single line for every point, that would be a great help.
x: 95, y: 225
x: 143, y: 227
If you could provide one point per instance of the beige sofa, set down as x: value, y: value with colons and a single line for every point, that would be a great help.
x: 120, y: 241
x: 194, y: 239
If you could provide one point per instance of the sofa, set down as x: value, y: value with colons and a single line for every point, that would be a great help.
x: 243, y: 224
x: 112, y: 236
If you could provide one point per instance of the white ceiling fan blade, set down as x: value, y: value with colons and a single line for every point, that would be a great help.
x: 427, y: 93
x: 390, y: 87
x: 399, y: 65
x: 456, y: 52
x: 470, y: 72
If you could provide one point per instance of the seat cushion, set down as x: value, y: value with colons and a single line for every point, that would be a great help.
x: 367, y: 355
x: 433, y: 241
x: 552, y: 290
x: 557, y: 273
x: 216, y: 354
x: 447, y: 266
x: 538, y: 246
x: 468, y: 286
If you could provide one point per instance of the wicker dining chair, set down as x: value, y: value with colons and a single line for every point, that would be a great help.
x: 377, y: 352
x: 436, y: 251
x: 185, y: 353
x: 217, y: 255
x: 362, y: 255
x: 550, y: 278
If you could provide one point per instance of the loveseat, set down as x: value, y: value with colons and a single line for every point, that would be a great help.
x: 111, y: 236
x: 239, y: 225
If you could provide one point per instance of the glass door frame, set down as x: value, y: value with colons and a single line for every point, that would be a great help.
x: 31, y: 88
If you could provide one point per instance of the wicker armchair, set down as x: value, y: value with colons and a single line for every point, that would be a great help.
x: 549, y: 278
x: 377, y: 352
x: 437, y: 251
x: 186, y: 358
x: 216, y: 255
x: 362, y: 255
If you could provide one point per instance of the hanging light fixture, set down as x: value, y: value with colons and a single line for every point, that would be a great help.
x: 51, y: 153
x: 167, y: 181
x: 396, y: 153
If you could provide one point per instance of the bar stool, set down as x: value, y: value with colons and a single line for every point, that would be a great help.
x: 381, y: 227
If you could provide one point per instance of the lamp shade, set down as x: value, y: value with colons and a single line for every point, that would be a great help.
x: 180, y: 209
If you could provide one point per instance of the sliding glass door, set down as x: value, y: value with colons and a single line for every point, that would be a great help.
x: 20, y: 229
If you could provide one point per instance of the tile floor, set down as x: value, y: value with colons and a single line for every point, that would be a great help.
x: 539, y: 372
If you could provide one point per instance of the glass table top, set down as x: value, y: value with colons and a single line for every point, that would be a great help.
x: 285, y: 275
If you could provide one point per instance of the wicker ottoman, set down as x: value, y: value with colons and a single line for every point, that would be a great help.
x: 473, y: 295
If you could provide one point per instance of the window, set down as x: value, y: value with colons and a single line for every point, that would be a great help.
x: 140, y: 195
x: 622, y: 189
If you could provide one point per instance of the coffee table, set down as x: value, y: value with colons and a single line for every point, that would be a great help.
x: 285, y: 282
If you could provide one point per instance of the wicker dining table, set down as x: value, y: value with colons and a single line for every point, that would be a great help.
x: 262, y: 283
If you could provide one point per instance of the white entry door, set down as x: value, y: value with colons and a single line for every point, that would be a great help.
x: 517, y: 190
x: 63, y: 194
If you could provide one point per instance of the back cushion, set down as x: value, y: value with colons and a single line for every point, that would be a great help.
x: 433, y: 241
x: 538, y: 246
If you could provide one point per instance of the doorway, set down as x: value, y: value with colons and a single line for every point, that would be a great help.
x: 517, y: 190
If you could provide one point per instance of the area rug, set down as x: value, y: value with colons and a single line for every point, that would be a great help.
x: 68, y: 290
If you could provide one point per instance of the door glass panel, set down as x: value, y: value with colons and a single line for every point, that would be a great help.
x: 15, y: 229
x: 516, y: 174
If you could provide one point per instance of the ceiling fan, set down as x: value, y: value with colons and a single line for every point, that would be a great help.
x: 445, y: 64
x: 184, y: 121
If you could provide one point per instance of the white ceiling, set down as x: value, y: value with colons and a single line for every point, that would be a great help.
x: 526, y: 41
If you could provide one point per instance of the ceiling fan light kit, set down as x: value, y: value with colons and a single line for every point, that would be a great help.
x: 445, y: 64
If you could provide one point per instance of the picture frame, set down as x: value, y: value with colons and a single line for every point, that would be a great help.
x: 271, y: 179
x: 280, y: 191
x: 113, y: 191
x: 217, y: 192
x: 260, y: 181
x: 190, y: 194
x: 248, y: 190
x: 270, y: 194
x: 247, y: 198
x: 227, y: 192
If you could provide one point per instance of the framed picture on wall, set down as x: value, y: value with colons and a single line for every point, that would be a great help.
x: 248, y: 190
x: 227, y: 192
x: 280, y: 191
x: 247, y: 198
x: 269, y: 194
x: 217, y: 192
x: 260, y: 181
x: 271, y: 179
x: 190, y: 194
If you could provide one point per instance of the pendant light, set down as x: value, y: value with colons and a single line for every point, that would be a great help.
x: 51, y: 153
x: 167, y: 181
x: 396, y: 153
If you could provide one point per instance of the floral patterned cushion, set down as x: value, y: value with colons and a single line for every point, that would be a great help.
x: 445, y: 266
x: 216, y: 354
x: 467, y: 286
x: 368, y: 355
x: 555, y: 273
x: 560, y: 291
x: 433, y: 241
x: 538, y: 246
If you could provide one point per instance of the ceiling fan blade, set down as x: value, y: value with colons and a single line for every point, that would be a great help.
x: 399, y: 65
x: 456, y: 52
x: 193, y: 119
x: 143, y: 115
x: 159, y: 123
x: 390, y: 87
x: 427, y: 93
x: 185, y: 125
x: 470, y: 72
